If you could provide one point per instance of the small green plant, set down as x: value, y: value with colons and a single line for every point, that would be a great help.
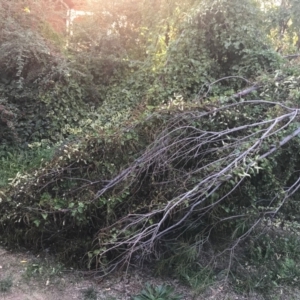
x: 34, y: 270
x: 5, y: 284
x: 17, y: 161
x: 42, y: 271
x: 160, y: 292
x: 89, y: 294
x: 183, y: 263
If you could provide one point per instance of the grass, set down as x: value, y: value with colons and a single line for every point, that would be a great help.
x: 90, y: 294
x: 6, y: 284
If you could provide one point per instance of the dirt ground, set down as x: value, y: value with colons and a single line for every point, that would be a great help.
x: 24, y: 276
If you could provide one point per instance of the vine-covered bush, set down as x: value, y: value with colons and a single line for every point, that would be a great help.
x: 120, y: 194
x: 179, y: 129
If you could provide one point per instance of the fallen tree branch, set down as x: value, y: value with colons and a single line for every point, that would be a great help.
x: 221, y: 79
x: 247, y: 91
x: 292, y: 56
x: 217, y: 156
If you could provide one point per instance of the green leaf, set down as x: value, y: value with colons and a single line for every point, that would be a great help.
x: 37, y: 223
x: 44, y: 216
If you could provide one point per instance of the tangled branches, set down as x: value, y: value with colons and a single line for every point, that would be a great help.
x: 194, y: 171
x: 207, y: 175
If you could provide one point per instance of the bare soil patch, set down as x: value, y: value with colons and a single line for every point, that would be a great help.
x: 36, y: 278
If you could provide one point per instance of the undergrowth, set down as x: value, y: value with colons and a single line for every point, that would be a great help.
x: 21, y: 161
x: 271, y: 261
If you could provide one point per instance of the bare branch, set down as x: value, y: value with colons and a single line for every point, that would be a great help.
x: 247, y: 91
x: 220, y: 156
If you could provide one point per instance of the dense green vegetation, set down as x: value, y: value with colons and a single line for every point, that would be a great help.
x: 163, y: 131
